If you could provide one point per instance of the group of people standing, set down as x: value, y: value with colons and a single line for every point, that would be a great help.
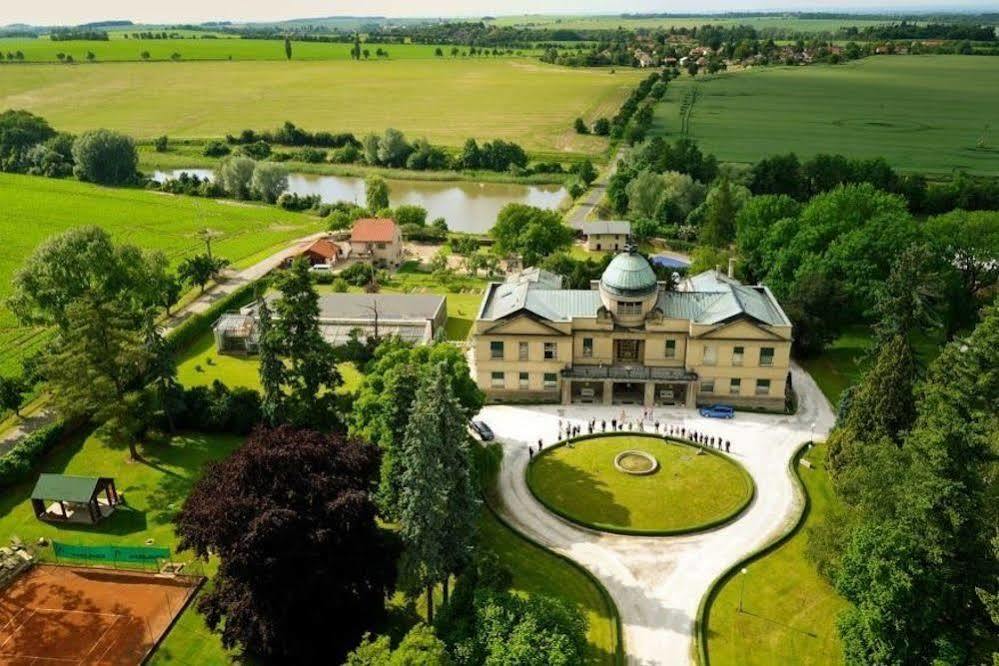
x: 568, y: 431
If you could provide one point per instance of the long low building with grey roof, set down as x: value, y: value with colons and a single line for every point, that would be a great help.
x: 632, y: 339
x: 415, y: 318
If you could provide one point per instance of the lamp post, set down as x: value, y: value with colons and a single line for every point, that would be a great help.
x: 742, y: 590
x: 811, y: 436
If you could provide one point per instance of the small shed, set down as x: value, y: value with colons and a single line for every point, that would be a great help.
x: 74, y: 499
x: 236, y: 332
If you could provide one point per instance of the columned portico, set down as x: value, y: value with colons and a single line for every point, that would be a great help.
x: 628, y: 385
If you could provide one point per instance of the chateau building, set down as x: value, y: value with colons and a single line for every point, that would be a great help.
x: 631, y: 339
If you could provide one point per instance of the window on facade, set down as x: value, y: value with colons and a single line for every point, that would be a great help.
x: 735, y: 386
x: 766, y: 356
x: 551, y: 380
x: 551, y: 351
x: 497, y: 380
x: 524, y: 380
x: 737, y: 355
x: 709, y: 355
x: 381, y: 246
x: 629, y: 307
x: 671, y: 349
x: 707, y: 386
x: 522, y: 351
x: 587, y: 347
x: 762, y: 387
x: 496, y: 349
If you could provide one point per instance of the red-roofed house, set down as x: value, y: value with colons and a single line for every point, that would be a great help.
x: 321, y: 251
x: 378, y: 240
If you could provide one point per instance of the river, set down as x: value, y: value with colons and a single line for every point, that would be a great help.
x: 467, y: 206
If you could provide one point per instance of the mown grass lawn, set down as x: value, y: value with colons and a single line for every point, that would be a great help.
x: 687, y: 491
x: 445, y: 100
x: 898, y: 107
x: 201, y: 365
x: 34, y: 208
x: 843, y: 363
x: 154, y: 488
x: 789, y: 610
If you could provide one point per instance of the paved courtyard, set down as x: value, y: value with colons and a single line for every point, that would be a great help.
x: 657, y: 583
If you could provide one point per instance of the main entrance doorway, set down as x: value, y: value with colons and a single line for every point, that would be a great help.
x: 628, y: 393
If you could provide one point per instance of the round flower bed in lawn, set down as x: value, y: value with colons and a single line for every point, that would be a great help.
x: 639, y: 484
x: 635, y: 462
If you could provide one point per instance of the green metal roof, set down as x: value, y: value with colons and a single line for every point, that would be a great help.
x: 64, y: 487
x: 629, y: 273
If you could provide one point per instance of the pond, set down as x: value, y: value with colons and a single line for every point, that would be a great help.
x: 467, y: 206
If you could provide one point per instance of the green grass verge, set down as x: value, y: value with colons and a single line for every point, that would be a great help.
x: 900, y: 108
x: 788, y: 610
x: 445, y: 100
x: 34, y: 208
x: 692, y: 490
x: 538, y: 570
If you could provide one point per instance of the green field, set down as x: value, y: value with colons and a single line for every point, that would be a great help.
x: 118, y: 49
x: 34, y: 208
x: 447, y: 101
x: 553, y: 22
x: 789, y: 610
x: 921, y: 113
x: 689, y: 490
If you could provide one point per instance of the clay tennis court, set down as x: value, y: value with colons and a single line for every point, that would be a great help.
x: 68, y: 615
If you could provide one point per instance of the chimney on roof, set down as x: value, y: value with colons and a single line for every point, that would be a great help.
x: 731, y: 267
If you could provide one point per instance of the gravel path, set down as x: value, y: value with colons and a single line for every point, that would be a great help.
x: 657, y: 583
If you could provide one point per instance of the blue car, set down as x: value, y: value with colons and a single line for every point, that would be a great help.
x: 717, y: 412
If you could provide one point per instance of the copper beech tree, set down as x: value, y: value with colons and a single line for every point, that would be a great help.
x: 303, y: 568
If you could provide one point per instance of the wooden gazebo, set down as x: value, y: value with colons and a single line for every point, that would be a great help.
x: 74, y: 499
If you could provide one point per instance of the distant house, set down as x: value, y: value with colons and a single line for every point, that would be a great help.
x: 415, y: 318
x: 322, y: 251
x: 609, y: 236
x: 378, y: 240
x: 643, y: 58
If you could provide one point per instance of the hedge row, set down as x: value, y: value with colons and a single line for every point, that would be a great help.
x: 198, y: 324
x: 18, y: 463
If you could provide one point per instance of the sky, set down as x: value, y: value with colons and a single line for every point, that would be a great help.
x: 69, y: 12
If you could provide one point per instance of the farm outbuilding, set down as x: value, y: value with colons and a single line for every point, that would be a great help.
x: 235, y: 333
x: 74, y: 499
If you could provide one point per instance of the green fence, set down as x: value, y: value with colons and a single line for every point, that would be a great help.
x: 111, y: 554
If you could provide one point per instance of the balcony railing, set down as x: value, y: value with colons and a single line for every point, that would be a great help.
x: 628, y: 373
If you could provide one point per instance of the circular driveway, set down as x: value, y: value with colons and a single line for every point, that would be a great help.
x: 657, y: 583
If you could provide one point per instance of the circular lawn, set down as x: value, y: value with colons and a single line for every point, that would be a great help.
x: 687, y: 491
